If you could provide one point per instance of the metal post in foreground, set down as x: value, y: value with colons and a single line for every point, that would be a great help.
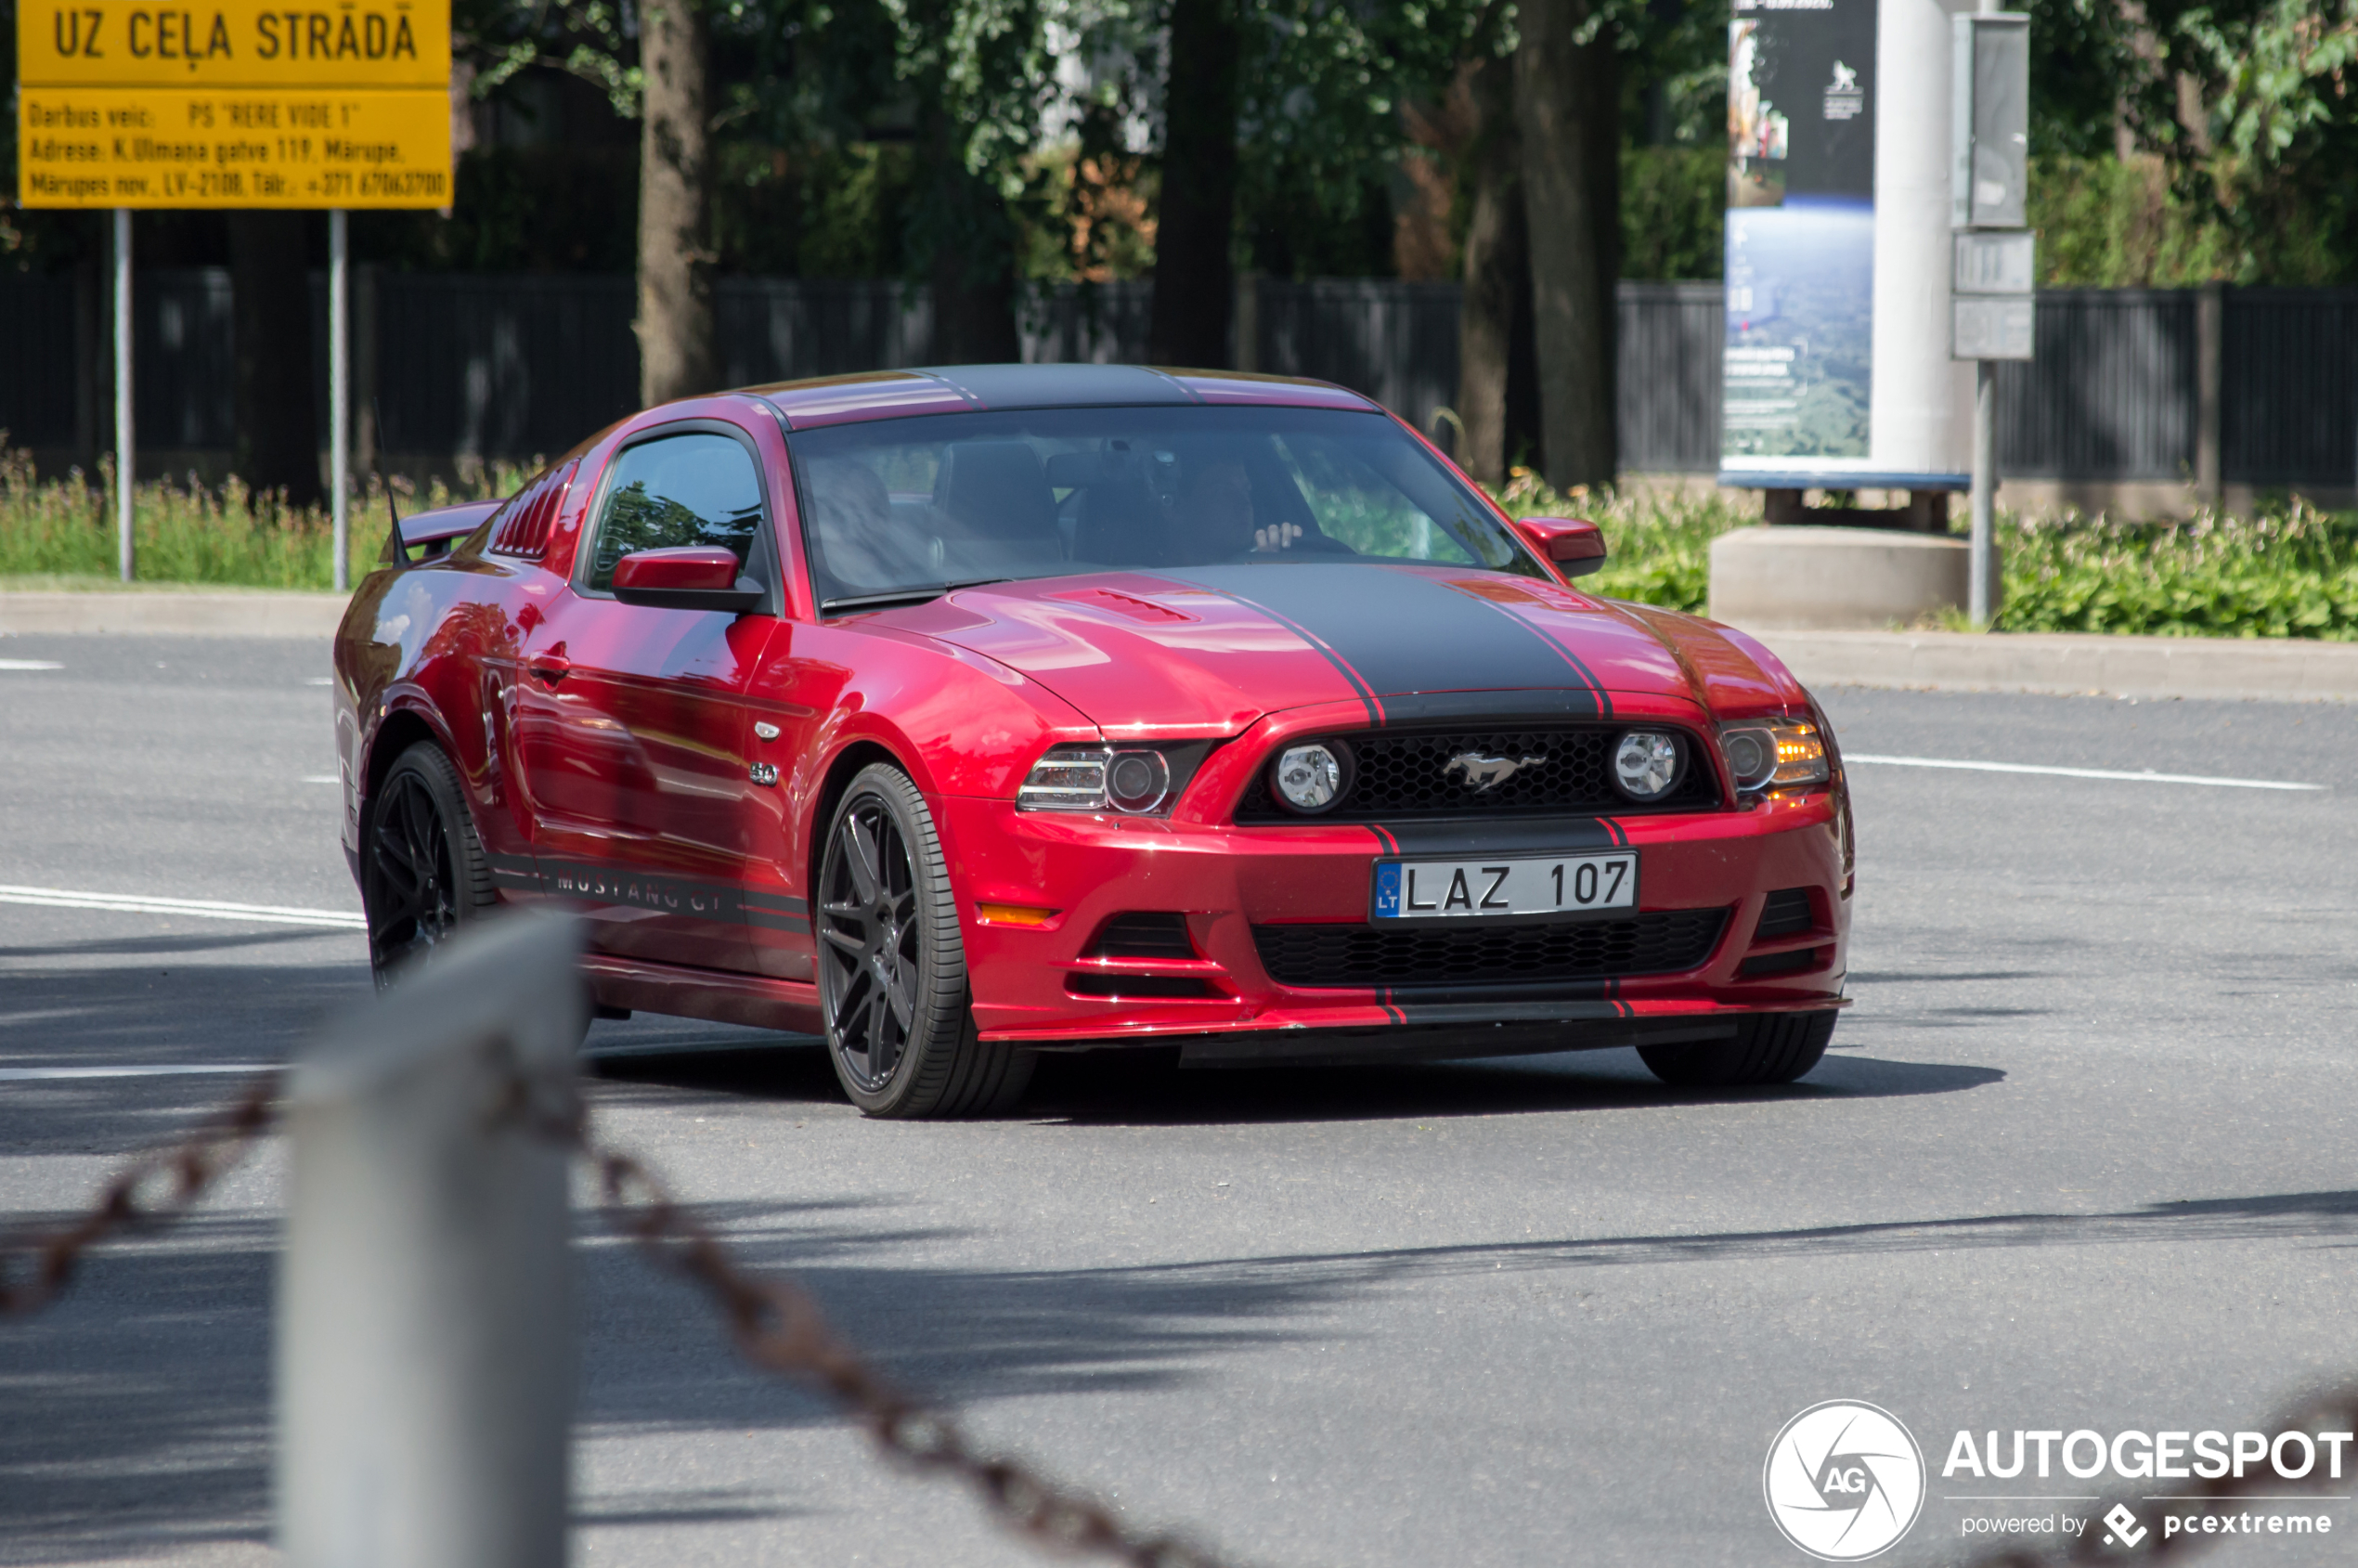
x: 1984, y: 488
x: 425, y: 1365
x: 340, y: 386
x: 125, y: 558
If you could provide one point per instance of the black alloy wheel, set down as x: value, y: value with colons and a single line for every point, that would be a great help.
x: 423, y: 871
x: 1768, y: 1048
x: 892, y: 968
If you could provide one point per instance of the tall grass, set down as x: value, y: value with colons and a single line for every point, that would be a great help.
x: 2290, y: 570
x: 63, y: 531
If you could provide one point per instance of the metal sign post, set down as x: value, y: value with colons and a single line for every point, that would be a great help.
x: 1992, y: 314
x: 255, y: 107
x: 126, y: 546
x: 340, y: 387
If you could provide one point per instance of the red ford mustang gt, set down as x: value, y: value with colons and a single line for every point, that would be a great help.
x: 962, y: 715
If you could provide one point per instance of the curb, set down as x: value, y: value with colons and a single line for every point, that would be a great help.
x: 2274, y: 670
x: 168, y: 613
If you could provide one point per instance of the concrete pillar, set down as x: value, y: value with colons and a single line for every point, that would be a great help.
x: 1923, y: 400
x: 425, y: 1362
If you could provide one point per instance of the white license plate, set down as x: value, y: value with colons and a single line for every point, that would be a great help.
x: 1503, y: 885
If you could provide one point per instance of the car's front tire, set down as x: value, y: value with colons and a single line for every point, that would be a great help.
x: 892, y: 967
x: 423, y: 871
x: 1768, y: 1048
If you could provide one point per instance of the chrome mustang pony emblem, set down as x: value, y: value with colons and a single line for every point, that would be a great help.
x: 1486, y: 773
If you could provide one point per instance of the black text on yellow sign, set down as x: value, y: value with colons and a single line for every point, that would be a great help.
x: 233, y: 43
x: 154, y: 148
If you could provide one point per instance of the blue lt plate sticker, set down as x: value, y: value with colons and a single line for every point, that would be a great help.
x: 1388, y: 890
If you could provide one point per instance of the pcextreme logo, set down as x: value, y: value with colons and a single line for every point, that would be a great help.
x: 1844, y: 1480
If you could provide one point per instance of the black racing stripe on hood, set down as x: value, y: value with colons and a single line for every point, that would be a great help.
x: 1527, y: 836
x: 1399, y: 630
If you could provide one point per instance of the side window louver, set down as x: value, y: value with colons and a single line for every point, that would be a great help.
x: 524, y: 524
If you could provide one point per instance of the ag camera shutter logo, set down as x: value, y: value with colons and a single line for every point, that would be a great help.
x: 1844, y: 1480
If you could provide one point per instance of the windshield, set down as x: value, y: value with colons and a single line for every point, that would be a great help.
x: 904, y: 508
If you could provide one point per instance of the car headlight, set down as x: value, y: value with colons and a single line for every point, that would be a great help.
x: 1765, y: 752
x: 1313, y: 776
x: 1095, y: 778
x: 1645, y: 764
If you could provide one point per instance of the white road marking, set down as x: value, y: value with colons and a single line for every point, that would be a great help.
x: 321, y: 778
x: 209, y: 909
x: 168, y: 1069
x: 320, y: 680
x: 30, y: 664
x: 2147, y: 777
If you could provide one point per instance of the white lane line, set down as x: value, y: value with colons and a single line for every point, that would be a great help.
x: 30, y: 664
x: 321, y: 681
x: 321, y: 778
x: 2147, y: 777
x: 169, y: 1069
x: 208, y: 909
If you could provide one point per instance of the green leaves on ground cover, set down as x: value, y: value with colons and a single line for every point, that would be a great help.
x: 2291, y: 571
x: 2288, y: 571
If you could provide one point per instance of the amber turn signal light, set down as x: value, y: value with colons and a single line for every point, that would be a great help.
x: 1014, y: 915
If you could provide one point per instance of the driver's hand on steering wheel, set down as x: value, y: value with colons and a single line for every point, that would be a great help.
x: 1277, y: 536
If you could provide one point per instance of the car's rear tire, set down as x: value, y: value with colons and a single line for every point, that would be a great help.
x: 424, y: 874
x: 892, y: 967
x: 1768, y: 1048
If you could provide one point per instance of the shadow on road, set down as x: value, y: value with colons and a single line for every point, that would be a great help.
x: 139, y: 1404
x: 1146, y: 1087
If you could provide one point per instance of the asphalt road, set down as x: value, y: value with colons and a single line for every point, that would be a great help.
x: 2083, y: 1158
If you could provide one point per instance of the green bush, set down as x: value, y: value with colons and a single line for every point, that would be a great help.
x: 2292, y: 571
x: 1660, y: 545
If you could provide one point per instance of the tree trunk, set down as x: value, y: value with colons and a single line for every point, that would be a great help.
x: 1568, y: 108
x: 1496, y: 264
x: 278, y: 427
x: 676, y: 356
x: 1195, y: 285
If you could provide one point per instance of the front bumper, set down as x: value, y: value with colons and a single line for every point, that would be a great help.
x: 1043, y: 985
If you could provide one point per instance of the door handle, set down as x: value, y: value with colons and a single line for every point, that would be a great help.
x: 550, y: 669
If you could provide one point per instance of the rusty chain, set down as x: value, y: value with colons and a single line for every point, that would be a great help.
x: 776, y: 1323
x: 35, y: 1269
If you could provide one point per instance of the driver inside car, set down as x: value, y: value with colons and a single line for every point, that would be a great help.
x: 1214, y: 519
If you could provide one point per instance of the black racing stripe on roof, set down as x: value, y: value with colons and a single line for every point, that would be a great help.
x: 1060, y: 386
x: 1401, y: 631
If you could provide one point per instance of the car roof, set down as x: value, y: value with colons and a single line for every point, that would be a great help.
x: 883, y: 394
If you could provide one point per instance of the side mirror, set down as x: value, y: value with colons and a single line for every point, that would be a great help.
x: 1573, y: 544
x: 695, y: 579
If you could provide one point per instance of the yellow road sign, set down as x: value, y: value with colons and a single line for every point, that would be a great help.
x: 149, y: 147
x: 233, y: 43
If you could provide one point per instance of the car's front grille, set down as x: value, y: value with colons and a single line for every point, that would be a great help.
x: 1405, y: 958
x: 1552, y: 769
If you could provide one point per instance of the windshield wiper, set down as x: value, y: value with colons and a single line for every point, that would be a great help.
x: 917, y: 595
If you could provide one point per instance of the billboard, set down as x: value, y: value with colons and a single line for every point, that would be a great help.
x: 1800, y: 232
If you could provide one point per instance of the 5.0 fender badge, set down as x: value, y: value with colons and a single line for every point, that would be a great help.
x: 763, y: 773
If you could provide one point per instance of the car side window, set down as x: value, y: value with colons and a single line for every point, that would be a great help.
x: 697, y: 488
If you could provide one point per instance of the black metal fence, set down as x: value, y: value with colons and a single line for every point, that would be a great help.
x: 509, y: 367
